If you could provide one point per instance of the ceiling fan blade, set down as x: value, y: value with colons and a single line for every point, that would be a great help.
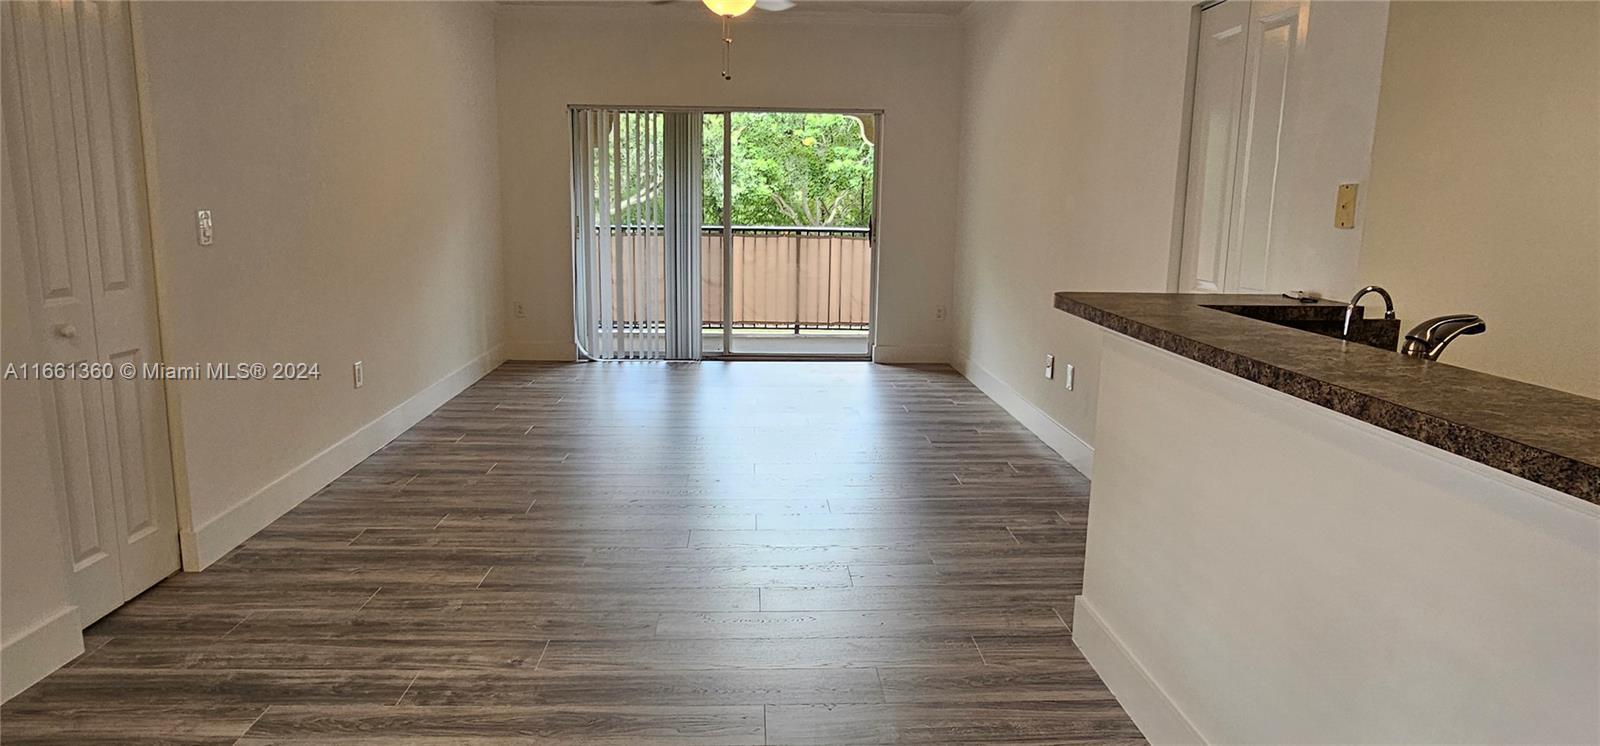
x: 774, y: 4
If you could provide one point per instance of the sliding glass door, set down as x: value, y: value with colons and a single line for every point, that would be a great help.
x: 800, y: 264
x: 716, y: 233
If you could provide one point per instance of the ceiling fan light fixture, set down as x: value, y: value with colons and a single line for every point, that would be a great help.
x: 729, y: 8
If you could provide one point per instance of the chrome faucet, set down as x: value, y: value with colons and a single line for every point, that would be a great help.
x: 1355, y: 302
x: 1429, y: 338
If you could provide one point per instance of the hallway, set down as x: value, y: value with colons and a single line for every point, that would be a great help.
x: 633, y: 553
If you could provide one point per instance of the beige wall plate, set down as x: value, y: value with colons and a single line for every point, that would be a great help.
x: 1344, y: 209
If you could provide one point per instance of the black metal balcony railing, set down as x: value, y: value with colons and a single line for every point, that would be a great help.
x: 784, y: 277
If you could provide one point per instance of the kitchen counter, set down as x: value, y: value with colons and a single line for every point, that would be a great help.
x: 1542, y: 435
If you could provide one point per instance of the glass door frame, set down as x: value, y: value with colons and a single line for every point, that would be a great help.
x: 874, y: 244
x: 728, y: 353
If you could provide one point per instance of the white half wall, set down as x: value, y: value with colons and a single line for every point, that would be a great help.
x: 670, y: 55
x: 1279, y: 573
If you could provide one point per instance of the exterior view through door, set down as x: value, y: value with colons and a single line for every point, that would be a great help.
x: 714, y: 233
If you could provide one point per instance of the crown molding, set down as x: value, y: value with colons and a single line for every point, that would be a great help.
x: 690, y: 12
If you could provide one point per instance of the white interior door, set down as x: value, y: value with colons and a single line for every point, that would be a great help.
x: 75, y: 176
x: 1272, y: 37
x: 1284, y: 109
x: 1213, y: 146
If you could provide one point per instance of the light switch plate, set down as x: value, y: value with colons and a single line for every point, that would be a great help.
x: 358, y: 375
x: 1070, y: 376
x: 202, y: 219
x: 1049, y: 367
x: 1344, y: 208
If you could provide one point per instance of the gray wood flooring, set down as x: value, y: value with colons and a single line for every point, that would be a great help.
x: 716, y: 553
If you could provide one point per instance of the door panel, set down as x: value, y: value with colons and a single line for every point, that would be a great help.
x: 800, y: 264
x: 126, y: 412
x: 125, y: 299
x: 81, y: 480
x: 75, y: 169
x: 1274, y: 34
x: 1283, y: 113
x: 1213, y: 146
x: 74, y: 477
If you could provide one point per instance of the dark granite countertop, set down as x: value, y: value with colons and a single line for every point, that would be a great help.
x: 1542, y: 435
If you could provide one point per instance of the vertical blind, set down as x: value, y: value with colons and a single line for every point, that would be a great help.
x: 636, y: 191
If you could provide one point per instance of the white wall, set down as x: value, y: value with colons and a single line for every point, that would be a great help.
x: 549, y: 58
x: 1071, y: 152
x: 1485, y: 192
x: 348, y: 152
x: 1351, y: 586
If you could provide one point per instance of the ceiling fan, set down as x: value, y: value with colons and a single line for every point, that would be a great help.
x: 735, y: 8
x: 728, y: 10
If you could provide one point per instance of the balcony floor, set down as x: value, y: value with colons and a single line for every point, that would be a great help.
x: 786, y: 342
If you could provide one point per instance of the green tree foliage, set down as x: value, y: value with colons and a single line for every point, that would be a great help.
x: 791, y: 169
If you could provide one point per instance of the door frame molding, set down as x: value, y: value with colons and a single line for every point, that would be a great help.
x: 1185, y: 135
x: 161, y: 259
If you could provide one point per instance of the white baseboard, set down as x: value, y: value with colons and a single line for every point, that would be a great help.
x: 1157, y: 716
x: 1054, y: 434
x: 38, y: 650
x: 559, y: 350
x: 910, y: 354
x: 221, y: 534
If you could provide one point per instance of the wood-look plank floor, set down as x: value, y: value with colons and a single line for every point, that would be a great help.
x: 633, y: 553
